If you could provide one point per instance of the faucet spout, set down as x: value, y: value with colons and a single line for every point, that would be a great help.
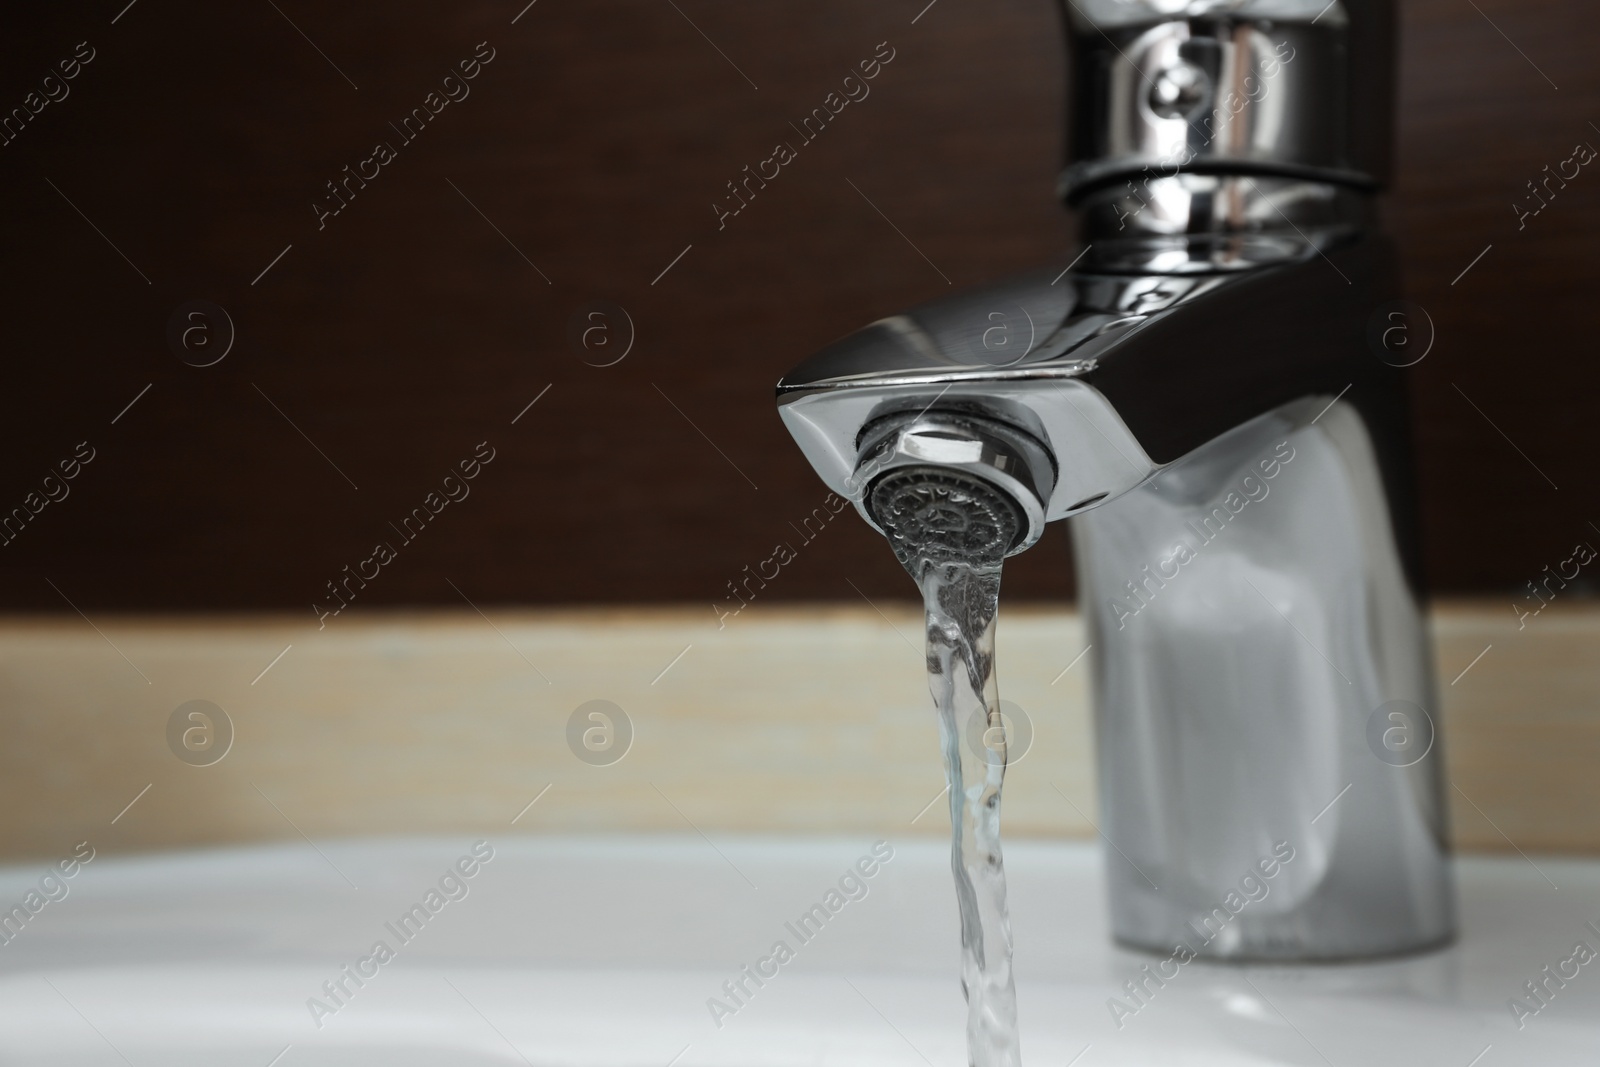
x: 1113, y: 372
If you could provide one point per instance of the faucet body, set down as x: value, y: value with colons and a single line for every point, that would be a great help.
x: 1210, y: 394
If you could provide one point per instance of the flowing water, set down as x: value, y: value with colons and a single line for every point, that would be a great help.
x: 951, y: 532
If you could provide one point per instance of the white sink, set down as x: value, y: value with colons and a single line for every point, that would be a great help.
x: 604, y: 952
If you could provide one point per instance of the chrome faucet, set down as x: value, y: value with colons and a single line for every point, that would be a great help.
x: 1210, y: 393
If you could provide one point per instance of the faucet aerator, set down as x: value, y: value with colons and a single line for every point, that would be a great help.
x: 953, y: 486
x: 945, y: 516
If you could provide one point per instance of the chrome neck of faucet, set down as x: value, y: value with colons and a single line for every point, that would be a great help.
x: 1287, y: 88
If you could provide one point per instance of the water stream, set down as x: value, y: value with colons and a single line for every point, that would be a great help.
x: 951, y: 532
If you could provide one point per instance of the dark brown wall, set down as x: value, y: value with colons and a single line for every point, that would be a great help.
x: 410, y: 329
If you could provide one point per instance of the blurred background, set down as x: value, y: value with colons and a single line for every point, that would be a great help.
x: 390, y: 339
x: 531, y: 347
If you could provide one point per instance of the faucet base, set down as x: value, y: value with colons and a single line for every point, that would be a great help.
x: 1166, y: 949
x: 1270, y: 778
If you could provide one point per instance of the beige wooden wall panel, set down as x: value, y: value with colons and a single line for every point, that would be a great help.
x: 788, y: 720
